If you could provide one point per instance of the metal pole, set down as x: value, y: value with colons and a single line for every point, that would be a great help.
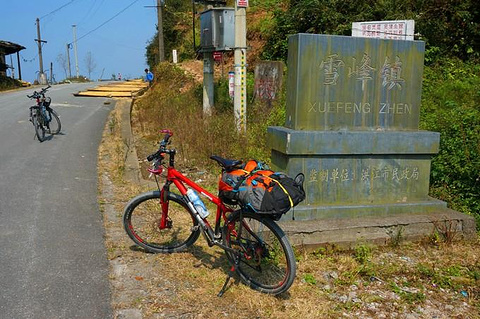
x: 68, y: 61
x: 41, y: 75
x: 11, y: 66
x: 161, y: 47
x: 75, y: 48
x: 51, y: 72
x: 240, y: 59
x: 19, y: 69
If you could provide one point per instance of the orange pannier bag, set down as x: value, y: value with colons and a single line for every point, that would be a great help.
x: 260, y: 189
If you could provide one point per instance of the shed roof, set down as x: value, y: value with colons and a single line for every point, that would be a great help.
x: 7, y: 47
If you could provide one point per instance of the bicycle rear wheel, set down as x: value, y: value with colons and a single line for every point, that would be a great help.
x: 39, y: 129
x: 265, y: 259
x: 54, y: 125
x: 141, y: 220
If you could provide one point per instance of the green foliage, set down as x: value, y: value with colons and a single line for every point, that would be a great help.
x: 223, y: 102
x: 450, y: 277
x: 362, y: 253
x: 310, y: 279
x: 7, y: 83
x: 177, y: 33
x: 449, y: 27
x: 410, y: 297
x: 450, y: 105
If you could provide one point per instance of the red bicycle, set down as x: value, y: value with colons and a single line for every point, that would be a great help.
x: 162, y: 221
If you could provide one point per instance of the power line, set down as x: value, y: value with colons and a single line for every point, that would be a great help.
x: 66, y: 4
x: 101, y: 25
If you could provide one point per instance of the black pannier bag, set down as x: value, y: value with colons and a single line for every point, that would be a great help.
x: 256, y: 187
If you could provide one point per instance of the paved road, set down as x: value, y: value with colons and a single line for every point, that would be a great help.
x: 52, y: 256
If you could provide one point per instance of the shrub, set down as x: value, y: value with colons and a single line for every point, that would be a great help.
x: 451, y: 106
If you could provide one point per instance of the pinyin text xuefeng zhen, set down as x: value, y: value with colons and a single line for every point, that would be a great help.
x: 360, y: 108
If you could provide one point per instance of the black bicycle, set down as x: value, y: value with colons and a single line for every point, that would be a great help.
x: 42, y: 116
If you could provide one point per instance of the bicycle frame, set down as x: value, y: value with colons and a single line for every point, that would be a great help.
x: 180, y: 180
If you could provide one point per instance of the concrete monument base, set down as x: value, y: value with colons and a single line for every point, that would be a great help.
x: 362, y: 185
x: 379, y: 230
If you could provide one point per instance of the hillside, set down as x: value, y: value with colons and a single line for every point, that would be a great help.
x: 451, y: 82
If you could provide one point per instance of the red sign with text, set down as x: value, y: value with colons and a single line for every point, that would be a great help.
x: 217, y: 56
x: 242, y: 3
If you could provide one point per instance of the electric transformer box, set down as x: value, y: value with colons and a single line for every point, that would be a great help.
x: 217, y: 26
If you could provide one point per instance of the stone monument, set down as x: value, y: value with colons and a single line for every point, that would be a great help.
x: 352, y: 127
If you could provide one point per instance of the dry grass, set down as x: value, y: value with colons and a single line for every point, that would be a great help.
x: 196, y: 136
x: 432, y: 279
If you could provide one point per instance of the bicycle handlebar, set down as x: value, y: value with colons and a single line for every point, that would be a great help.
x: 163, y: 147
x: 38, y: 94
x: 166, y: 138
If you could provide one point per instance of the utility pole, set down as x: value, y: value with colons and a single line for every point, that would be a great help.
x: 12, y: 67
x: 42, y: 78
x: 51, y: 72
x: 240, y: 60
x: 68, y: 61
x: 75, y: 48
x: 161, y: 46
x: 19, y: 68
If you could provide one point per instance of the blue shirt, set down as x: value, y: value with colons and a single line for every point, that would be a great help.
x: 149, y: 76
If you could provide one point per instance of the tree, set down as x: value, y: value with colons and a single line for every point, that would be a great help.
x: 62, y: 60
x: 90, y: 63
x: 176, y: 32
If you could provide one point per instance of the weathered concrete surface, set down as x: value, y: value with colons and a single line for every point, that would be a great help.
x: 358, y: 173
x: 339, y: 82
x: 380, y: 231
x: 295, y: 142
x: 132, y: 167
x: 268, y: 80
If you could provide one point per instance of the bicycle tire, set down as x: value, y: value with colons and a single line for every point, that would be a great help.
x: 39, y: 129
x: 266, y: 261
x: 142, y: 216
x: 54, y: 125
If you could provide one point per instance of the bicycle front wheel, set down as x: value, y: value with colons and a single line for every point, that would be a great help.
x: 264, y: 257
x: 39, y: 129
x: 54, y: 125
x: 141, y: 220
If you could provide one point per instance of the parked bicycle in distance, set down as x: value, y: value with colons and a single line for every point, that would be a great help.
x: 164, y: 221
x: 42, y: 116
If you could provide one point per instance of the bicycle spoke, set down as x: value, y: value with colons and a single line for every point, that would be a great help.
x: 142, y: 223
x: 264, y: 258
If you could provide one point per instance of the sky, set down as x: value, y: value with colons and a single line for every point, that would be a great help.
x: 117, y: 46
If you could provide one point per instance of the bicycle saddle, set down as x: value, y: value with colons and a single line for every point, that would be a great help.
x: 227, y: 164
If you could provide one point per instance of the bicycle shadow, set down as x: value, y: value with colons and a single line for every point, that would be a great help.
x: 205, y: 258
x: 49, y: 137
x: 211, y: 260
